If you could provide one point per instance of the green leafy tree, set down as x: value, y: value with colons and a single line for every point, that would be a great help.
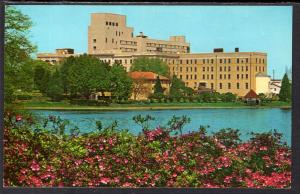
x: 285, y: 91
x: 177, y: 87
x: 41, y: 78
x: 157, y: 87
x: 120, y: 82
x: 87, y: 75
x: 154, y: 65
x: 17, y: 52
x: 55, y: 87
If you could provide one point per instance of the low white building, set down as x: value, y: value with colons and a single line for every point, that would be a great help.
x: 275, y: 86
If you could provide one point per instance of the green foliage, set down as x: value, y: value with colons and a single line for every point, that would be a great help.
x: 18, y: 74
x: 228, y: 97
x: 85, y: 75
x: 154, y: 65
x: 143, y: 121
x: 42, y: 76
x: 157, y: 87
x: 228, y: 137
x: 285, y: 93
x: 55, y: 87
x: 120, y: 82
x: 177, y: 87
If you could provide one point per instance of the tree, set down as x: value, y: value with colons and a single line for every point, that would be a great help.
x: 120, y: 82
x: 140, y: 86
x: 285, y: 91
x: 17, y: 52
x: 41, y: 78
x: 86, y: 75
x: 177, y: 87
x: 158, y: 90
x: 55, y: 87
x: 154, y: 65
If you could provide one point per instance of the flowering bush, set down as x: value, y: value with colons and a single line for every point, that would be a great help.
x: 38, y: 157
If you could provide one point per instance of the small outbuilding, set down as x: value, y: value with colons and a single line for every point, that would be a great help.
x: 252, y: 98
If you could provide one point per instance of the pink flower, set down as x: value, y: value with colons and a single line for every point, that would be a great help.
x: 35, y: 166
x: 104, y: 180
x: 263, y: 148
x: 18, y: 118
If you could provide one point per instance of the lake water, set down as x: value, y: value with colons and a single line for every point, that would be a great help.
x: 246, y: 120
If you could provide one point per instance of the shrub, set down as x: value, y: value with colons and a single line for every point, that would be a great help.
x: 84, y: 102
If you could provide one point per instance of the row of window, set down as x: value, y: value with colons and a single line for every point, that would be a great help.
x: 166, y: 46
x: 117, y: 61
x: 124, y: 42
x: 221, y: 69
x: 221, y: 61
x: 111, y: 23
x: 221, y: 85
x: 211, y: 76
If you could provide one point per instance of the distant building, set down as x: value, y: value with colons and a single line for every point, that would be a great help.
x: 262, y: 84
x: 58, y: 56
x: 144, y: 84
x: 275, y: 86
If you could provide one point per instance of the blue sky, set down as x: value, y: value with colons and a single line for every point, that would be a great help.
x: 251, y: 28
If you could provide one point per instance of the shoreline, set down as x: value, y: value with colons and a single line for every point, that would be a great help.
x: 147, y: 108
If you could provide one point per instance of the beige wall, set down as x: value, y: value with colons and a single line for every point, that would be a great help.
x: 262, y: 85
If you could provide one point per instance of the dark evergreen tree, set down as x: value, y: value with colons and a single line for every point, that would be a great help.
x: 177, y: 87
x: 285, y: 91
x: 157, y: 87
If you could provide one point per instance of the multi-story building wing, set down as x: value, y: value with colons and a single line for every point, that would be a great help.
x: 109, y: 33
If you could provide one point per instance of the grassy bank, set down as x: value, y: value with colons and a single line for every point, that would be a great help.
x: 65, y: 105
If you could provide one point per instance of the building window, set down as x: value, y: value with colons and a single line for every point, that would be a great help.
x: 109, y: 23
x: 242, y: 68
x: 195, y: 69
x: 225, y: 68
x: 187, y: 61
x: 180, y: 61
x: 94, y: 47
x: 238, y: 68
x: 246, y: 76
x: 187, y: 69
x: 220, y: 76
x: 259, y: 69
x: 195, y: 76
x: 116, y: 23
x: 237, y: 60
x: 229, y: 85
x: 180, y: 69
x: 187, y: 77
x: 220, y: 60
x: 237, y: 85
x: 211, y: 68
x: 112, y: 40
x: 203, y: 61
x: 224, y: 76
x: 203, y: 76
x: 106, y: 40
x: 229, y: 60
x: 207, y: 76
x: 246, y: 68
x: 228, y: 76
x: 224, y: 61
x: 220, y: 85
x: 229, y: 68
x: 220, y: 68
x: 211, y: 86
x: 242, y: 76
x: 180, y: 76
x: 256, y: 68
x: 191, y: 69
x: 94, y: 40
x: 259, y: 60
x: 263, y: 60
x: 212, y: 61
x: 263, y: 69
x: 203, y: 68
x: 211, y: 76
x: 195, y: 61
x: 237, y: 76
x: 246, y: 85
x: 247, y: 60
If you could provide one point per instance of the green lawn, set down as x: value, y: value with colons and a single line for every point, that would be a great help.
x: 175, y: 105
